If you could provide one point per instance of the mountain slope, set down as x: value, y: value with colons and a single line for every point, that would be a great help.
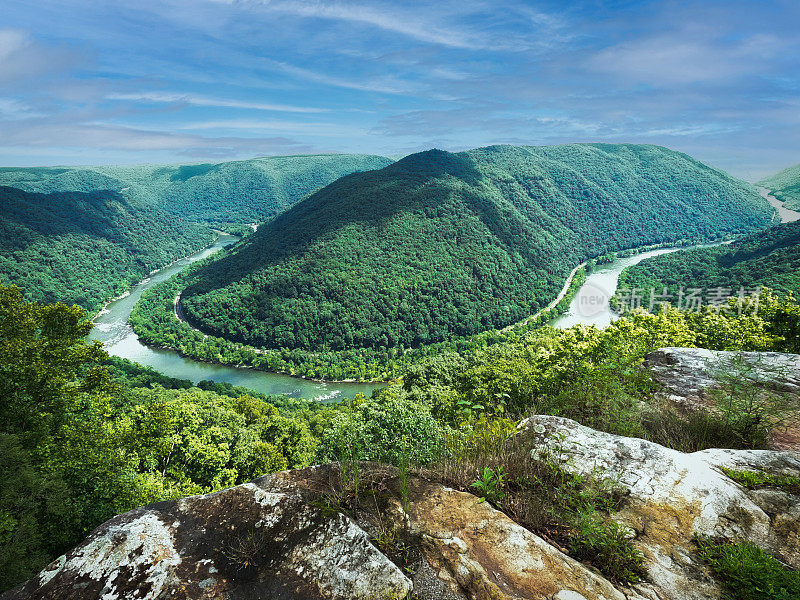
x: 767, y: 258
x: 83, y: 235
x: 440, y: 245
x: 218, y: 194
x: 785, y: 186
x: 82, y: 248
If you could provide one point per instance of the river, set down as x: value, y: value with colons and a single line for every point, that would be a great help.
x: 112, y: 328
x: 590, y: 305
x: 786, y: 215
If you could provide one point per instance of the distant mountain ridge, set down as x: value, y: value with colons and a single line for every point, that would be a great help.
x: 233, y: 192
x: 785, y: 186
x: 445, y: 244
x: 85, y: 234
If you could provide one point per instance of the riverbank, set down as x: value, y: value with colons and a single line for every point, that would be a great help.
x: 591, y: 304
x: 785, y: 215
x: 104, y: 309
x: 164, y: 331
x: 113, y: 329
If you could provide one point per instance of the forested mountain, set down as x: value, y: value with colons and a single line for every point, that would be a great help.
x: 768, y: 258
x: 440, y: 245
x: 83, y: 235
x: 219, y: 194
x: 785, y: 186
x: 84, y: 247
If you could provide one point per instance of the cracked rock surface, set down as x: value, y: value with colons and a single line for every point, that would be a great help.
x: 240, y: 543
x: 674, y: 495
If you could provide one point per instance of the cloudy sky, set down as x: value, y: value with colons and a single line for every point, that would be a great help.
x: 196, y: 80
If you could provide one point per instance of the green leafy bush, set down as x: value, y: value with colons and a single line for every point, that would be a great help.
x: 382, y: 431
x: 490, y: 485
x: 759, y: 479
x: 601, y: 541
x: 749, y: 573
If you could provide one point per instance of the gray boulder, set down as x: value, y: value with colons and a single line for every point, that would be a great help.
x: 240, y: 543
x: 673, y: 496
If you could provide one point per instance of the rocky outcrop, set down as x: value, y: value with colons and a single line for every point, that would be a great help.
x: 689, y: 376
x: 277, y: 538
x: 688, y: 373
x: 241, y: 543
x: 483, y: 554
x: 269, y: 539
x: 673, y: 496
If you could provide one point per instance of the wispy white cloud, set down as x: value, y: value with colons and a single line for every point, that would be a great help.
x: 65, y: 134
x: 11, y: 108
x: 688, y: 56
x: 408, y: 23
x: 179, y: 98
x: 292, y: 127
x: 385, y: 84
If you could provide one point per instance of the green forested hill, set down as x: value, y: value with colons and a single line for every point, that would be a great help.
x: 440, y: 245
x: 235, y: 192
x: 83, y: 235
x: 785, y: 186
x: 768, y: 258
x: 82, y: 248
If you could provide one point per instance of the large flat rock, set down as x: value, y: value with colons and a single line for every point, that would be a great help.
x: 241, y: 543
x: 673, y: 496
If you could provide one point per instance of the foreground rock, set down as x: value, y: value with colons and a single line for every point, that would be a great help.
x: 240, y: 543
x: 277, y: 538
x: 689, y: 373
x: 265, y: 540
x: 674, y: 496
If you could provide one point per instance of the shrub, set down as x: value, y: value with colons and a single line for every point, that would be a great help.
x: 746, y: 403
x: 490, y: 485
x: 601, y: 541
x: 749, y: 573
x: 375, y: 431
x: 759, y: 479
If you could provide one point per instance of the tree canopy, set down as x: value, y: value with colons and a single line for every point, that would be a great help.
x: 785, y: 186
x: 768, y: 258
x: 441, y: 245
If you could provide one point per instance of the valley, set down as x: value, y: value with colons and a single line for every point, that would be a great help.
x: 376, y: 300
x: 111, y: 327
x: 437, y: 275
x: 479, y: 240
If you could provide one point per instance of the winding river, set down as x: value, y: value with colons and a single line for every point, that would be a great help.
x: 590, y: 307
x: 112, y: 328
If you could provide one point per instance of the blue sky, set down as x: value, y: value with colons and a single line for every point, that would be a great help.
x: 188, y: 81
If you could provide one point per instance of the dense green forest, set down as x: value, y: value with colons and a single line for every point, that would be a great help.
x: 785, y: 186
x: 220, y: 195
x: 84, y: 437
x: 768, y: 258
x: 86, y: 247
x: 84, y: 235
x: 441, y: 245
x: 153, y: 320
